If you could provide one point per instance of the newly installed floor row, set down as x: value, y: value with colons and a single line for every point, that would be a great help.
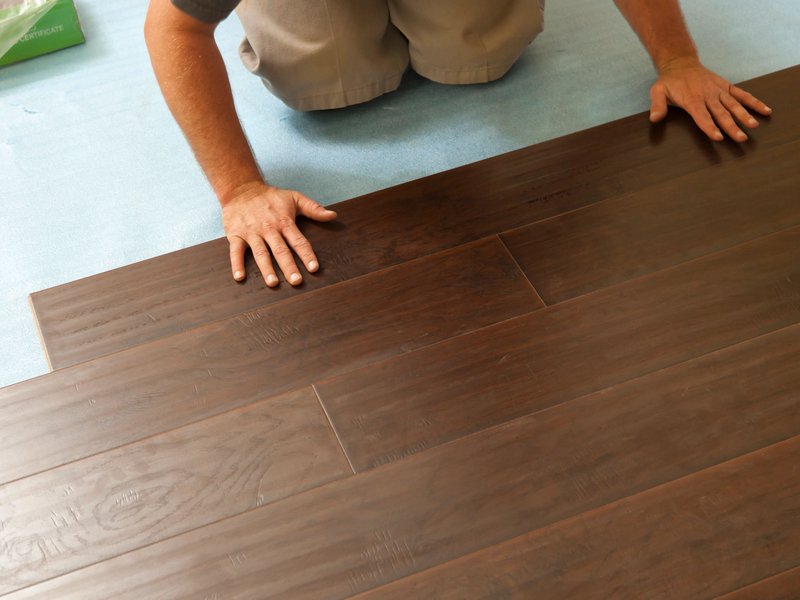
x: 591, y: 392
x: 177, y: 291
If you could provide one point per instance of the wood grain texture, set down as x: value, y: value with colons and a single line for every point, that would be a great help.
x: 392, y: 409
x: 117, y: 501
x: 79, y: 411
x: 687, y: 540
x: 98, y: 315
x: 784, y: 586
x: 358, y: 533
x: 660, y: 226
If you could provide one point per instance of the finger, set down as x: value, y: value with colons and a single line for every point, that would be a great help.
x: 237, y: 250
x: 658, y: 103
x: 725, y: 121
x: 283, y: 256
x: 308, y: 208
x: 702, y: 118
x: 301, y: 246
x: 749, y: 100
x: 738, y: 111
x: 261, y: 255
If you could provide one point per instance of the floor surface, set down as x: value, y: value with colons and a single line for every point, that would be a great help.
x: 94, y: 174
x: 569, y: 371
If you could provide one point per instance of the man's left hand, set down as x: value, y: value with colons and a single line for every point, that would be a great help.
x: 714, y: 103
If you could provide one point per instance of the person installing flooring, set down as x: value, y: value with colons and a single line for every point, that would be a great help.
x: 318, y: 55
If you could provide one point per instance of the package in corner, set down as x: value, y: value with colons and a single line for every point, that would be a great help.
x: 30, y: 28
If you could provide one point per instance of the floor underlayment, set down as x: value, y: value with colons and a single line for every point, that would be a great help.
x: 95, y: 175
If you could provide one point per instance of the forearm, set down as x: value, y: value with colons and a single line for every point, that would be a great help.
x: 195, y: 85
x: 662, y: 30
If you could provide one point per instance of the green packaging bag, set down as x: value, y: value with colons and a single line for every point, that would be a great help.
x: 29, y: 28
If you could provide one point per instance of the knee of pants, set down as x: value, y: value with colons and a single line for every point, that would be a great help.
x: 467, y: 41
x: 333, y: 56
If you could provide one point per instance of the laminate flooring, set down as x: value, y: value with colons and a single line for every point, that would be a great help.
x: 566, y: 372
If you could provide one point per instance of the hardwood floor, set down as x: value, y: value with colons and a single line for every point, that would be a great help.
x: 566, y: 372
x: 532, y: 362
x: 177, y: 380
x: 99, y: 315
x: 660, y: 226
x: 357, y: 533
x: 710, y: 527
x: 116, y: 501
x: 783, y: 586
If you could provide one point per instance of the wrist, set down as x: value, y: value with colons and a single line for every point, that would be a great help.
x: 249, y: 187
x: 683, y: 61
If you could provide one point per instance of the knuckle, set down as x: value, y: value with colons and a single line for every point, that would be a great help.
x: 281, y: 252
x: 302, y: 244
x: 704, y: 120
x: 695, y: 106
x: 285, y: 222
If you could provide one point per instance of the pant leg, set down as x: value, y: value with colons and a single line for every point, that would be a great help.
x: 466, y: 41
x: 320, y: 54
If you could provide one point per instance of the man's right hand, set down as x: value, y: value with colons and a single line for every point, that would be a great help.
x: 263, y: 217
x: 192, y: 76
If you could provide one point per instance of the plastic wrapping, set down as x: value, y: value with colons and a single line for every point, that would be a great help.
x: 17, y: 17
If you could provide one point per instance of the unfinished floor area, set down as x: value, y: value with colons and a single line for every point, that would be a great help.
x: 570, y: 371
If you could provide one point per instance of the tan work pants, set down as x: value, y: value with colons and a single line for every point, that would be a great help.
x: 319, y: 54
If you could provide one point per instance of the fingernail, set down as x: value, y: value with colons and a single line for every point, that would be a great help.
x: 237, y: 275
x: 752, y: 122
x: 272, y: 280
x: 312, y: 266
x: 741, y: 135
x: 767, y: 108
x: 718, y: 134
x: 295, y: 278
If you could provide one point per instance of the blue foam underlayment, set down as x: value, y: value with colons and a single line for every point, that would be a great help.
x: 94, y: 174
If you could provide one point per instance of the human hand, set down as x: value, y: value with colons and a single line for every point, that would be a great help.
x: 263, y: 217
x: 713, y: 102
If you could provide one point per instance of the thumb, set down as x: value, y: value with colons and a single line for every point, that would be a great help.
x: 658, y: 103
x: 308, y: 208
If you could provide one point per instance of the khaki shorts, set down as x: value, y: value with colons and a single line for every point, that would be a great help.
x: 320, y: 54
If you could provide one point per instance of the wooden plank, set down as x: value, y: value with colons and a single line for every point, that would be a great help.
x: 98, y: 315
x: 783, y: 586
x: 413, y: 402
x: 692, y: 538
x: 666, y: 224
x: 89, y: 408
x: 120, y: 500
x: 371, y: 528
x: 39, y: 335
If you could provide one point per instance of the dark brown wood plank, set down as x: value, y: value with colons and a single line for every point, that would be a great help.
x: 374, y: 527
x: 691, y: 539
x: 89, y: 408
x: 660, y: 226
x: 99, y: 315
x: 120, y: 500
x: 784, y: 586
x: 435, y: 395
